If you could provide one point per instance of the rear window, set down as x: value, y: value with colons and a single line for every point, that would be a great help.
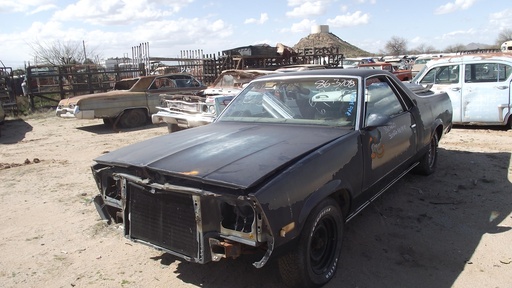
x: 487, y: 72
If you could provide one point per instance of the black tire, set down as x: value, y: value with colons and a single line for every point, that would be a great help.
x: 108, y: 121
x: 428, y: 162
x: 315, y: 260
x: 133, y: 118
x: 173, y: 128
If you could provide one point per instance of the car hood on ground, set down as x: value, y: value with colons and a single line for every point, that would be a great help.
x: 75, y: 99
x: 229, y: 154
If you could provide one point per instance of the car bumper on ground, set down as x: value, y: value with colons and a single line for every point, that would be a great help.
x: 74, y: 113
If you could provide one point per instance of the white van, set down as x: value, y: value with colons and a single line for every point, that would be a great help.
x: 479, y: 86
x: 506, y: 47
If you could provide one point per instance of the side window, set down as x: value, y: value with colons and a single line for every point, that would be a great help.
x: 381, y: 98
x: 185, y: 81
x: 487, y: 72
x: 448, y: 74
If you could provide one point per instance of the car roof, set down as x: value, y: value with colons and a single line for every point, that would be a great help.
x: 376, y: 64
x: 328, y: 72
x: 471, y: 58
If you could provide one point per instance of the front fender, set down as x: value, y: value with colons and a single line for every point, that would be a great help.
x: 334, y: 189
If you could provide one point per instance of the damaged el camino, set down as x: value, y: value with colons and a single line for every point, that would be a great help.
x: 290, y: 159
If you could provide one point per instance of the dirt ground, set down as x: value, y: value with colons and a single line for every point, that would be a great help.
x: 450, y: 229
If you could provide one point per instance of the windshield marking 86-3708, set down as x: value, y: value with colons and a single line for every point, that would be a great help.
x: 315, y: 101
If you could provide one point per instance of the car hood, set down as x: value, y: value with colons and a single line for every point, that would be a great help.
x: 229, y: 154
x: 75, y: 99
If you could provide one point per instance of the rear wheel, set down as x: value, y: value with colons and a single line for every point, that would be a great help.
x: 428, y: 162
x: 315, y: 260
x: 133, y: 118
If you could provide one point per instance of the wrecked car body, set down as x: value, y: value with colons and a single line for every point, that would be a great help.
x: 278, y: 173
x: 181, y: 112
x: 402, y: 74
x: 188, y: 112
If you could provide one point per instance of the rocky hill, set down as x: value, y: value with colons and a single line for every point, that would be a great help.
x: 327, y: 39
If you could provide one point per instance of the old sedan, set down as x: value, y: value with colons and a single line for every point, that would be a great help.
x: 131, y: 102
x: 289, y: 161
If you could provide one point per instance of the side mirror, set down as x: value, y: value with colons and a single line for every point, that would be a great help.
x: 377, y: 120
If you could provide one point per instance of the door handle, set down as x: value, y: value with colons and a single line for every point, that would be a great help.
x: 455, y: 88
x: 502, y: 87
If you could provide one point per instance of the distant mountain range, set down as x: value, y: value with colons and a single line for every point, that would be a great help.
x: 473, y: 46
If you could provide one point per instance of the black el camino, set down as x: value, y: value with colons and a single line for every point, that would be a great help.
x: 291, y: 159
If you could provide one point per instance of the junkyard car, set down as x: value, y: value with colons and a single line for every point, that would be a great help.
x: 132, y: 101
x: 402, y: 74
x: 289, y: 161
x: 181, y: 112
x: 419, y: 63
x: 479, y: 86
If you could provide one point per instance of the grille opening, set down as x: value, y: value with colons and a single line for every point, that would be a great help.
x: 163, y: 219
x: 238, y: 217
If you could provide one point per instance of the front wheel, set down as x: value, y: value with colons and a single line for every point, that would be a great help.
x: 315, y: 260
x: 428, y: 162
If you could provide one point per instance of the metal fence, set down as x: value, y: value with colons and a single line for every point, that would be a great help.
x: 53, y: 83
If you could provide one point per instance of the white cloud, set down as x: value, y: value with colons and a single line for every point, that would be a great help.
x: 181, y: 32
x: 502, y: 19
x: 459, y: 32
x: 417, y: 40
x: 26, y: 6
x: 303, y: 26
x: 263, y: 19
x: 347, y: 20
x: 454, y: 6
x: 305, y: 9
x: 118, y: 11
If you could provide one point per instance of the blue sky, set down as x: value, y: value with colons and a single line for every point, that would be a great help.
x: 112, y: 27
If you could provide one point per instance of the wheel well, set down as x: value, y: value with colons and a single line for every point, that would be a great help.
x: 146, y: 110
x: 342, y: 197
x: 439, y: 132
x: 339, y: 193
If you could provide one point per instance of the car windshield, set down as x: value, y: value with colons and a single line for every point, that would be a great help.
x: 327, y: 101
x: 351, y: 62
x: 419, y: 75
x: 422, y: 60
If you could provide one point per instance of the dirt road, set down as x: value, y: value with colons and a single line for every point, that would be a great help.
x: 451, y: 229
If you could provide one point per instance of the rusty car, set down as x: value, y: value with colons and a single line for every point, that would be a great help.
x: 287, y: 163
x: 182, y: 112
x: 402, y: 74
x: 131, y: 102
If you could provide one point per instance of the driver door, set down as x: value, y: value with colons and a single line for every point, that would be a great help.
x: 386, y: 148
